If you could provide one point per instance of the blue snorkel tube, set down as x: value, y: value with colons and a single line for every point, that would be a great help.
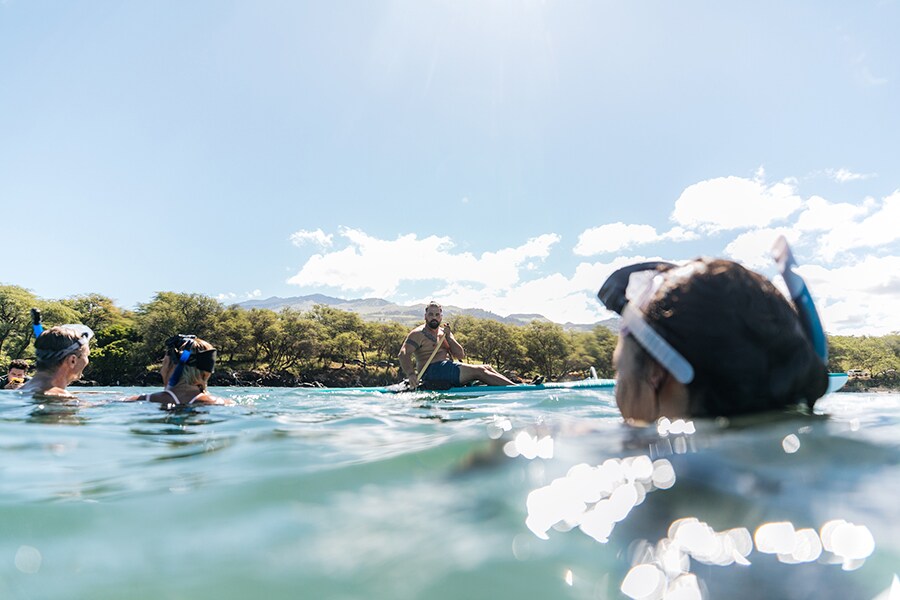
x: 806, y: 309
x: 36, y: 325
x: 182, y: 360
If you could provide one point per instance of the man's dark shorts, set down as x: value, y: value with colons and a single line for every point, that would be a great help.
x: 445, y: 371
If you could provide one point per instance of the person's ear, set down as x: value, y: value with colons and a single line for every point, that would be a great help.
x: 657, y: 376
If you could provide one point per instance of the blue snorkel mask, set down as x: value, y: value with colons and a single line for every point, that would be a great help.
x: 629, y: 290
x: 180, y: 348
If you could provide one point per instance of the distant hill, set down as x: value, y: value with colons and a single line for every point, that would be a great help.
x: 376, y: 309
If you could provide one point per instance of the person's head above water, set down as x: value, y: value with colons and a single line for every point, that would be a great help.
x: 61, y: 356
x: 188, y: 360
x: 709, y: 338
x: 63, y: 344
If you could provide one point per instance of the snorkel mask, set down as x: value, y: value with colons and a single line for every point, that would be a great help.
x: 629, y: 290
x: 83, y: 333
x: 205, y: 360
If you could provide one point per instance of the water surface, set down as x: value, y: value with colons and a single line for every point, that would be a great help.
x: 299, y: 494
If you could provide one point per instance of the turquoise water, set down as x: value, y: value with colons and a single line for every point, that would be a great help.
x: 299, y: 494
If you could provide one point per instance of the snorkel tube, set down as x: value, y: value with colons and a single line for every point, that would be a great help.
x: 36, y: 325
x: 806, y: 309
x: 182, y: 358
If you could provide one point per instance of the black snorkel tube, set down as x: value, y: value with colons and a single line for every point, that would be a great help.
x: 182, y: 358
x: 806, y: 309
x: 36, y: 325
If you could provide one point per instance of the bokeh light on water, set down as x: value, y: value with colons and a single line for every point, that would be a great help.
x: 529, y: 446
x: 594, y: 499
x: 851, y: 544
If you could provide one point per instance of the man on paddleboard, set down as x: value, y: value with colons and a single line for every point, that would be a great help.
x: 434, y: 346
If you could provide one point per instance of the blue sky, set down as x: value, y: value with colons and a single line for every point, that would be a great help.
x: 492, y: 154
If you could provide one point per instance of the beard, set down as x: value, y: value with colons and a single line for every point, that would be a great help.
x: 434, y: 323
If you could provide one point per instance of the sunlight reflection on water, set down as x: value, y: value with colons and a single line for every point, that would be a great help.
x: 595, y: 499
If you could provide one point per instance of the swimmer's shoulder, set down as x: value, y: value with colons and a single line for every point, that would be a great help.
x: 207, y: 398
x: 162, y: 397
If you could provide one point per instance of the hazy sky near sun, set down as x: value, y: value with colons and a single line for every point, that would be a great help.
x: 504, y: 155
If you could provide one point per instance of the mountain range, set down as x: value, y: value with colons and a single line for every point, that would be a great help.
x: 376, y: 309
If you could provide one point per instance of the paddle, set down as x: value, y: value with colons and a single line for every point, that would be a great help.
x: 428, y: 362
x: 404, y: 385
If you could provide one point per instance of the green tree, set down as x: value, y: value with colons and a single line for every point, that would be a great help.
x: 96, y: 311
x: 170, y: 313
x: 232, y: 335
x: 600, y: 344
x: 382, y: 340
x: 117, y: 355
x: 548, y: 348
x: 298, y: 341
x: 263, y: 334
x: 15, y: 319
x: 494, y: 343
x: 334, y: 347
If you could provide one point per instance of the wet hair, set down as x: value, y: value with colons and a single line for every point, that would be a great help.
x: 50, y: 347
x: 18, y: 363
x: 743, y: 338
x: 191, y: 373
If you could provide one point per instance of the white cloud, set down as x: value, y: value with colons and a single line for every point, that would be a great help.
x: 845, y: 175
x: 880, y: 228
x: 857, y: 294
x: 861, y: 299
x: 614, y: 237
x: 231, y: 296
x: 821, y: 215
x: 753, y: 249
x: 559, y: 298
x: 373, y: 266
x: 318, y: 237
x: 734, y: 203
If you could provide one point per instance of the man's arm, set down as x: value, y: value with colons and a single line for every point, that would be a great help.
x: 406, y: 364
x: 456, y: 349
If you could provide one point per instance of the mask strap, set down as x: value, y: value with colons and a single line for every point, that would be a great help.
x: 633, y: 322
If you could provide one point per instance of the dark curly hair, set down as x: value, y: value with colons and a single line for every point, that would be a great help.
x: 743, y: 338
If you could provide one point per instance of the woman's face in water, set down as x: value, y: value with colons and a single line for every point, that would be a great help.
x: 635, y: 396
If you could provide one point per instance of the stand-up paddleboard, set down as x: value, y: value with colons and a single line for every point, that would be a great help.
x: 481, y: 390
x: 835, y: 382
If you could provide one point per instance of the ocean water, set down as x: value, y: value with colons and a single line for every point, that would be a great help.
x: 295, y: 493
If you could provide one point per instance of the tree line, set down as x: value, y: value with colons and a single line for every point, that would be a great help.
x: 309, y: 345
x: 128, y: 345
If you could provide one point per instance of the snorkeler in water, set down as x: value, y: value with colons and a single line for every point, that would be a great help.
x: 712, y: 338
x: 186, y: 368
x: 62, y: 354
